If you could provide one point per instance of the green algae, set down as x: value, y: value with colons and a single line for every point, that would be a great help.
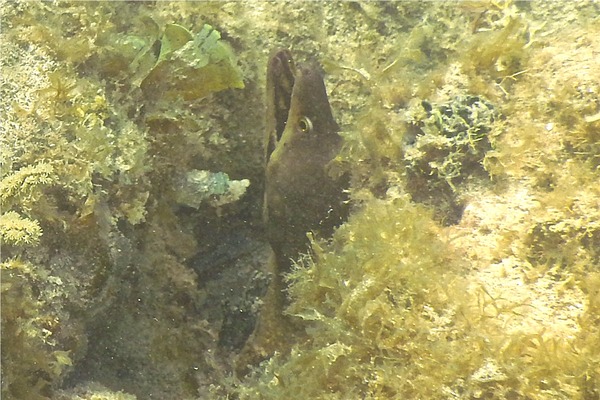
x: 445, y: 146
x: 22, y: 186
x: 192, y: 66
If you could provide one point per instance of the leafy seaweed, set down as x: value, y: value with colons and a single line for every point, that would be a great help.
x: 192, y: 66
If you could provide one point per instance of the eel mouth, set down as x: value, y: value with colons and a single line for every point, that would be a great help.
x: 281, y: 77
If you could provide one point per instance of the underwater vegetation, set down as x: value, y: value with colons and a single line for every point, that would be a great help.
x: 85, y: 174
x: 132, y: 177
x: 508, y: 290
x: 366, y: 325
x: 190, y: 66
x: 30, y: 357
x: 446, y: 145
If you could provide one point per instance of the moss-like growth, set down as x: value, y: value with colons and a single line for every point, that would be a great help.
x: 24, y: 186
x: 19, y: 231
x: 532, y: 250
x: 33, y: 362
x: 445, y: 145
x: 93, y: 164
x: 377, y: 313
x: 395, y: 318
x: 450, y: 139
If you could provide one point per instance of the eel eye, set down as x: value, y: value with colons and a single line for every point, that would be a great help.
x: 305, y: 125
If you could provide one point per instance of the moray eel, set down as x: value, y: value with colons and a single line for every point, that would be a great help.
x: 301, y: 195
x: 301, y: 142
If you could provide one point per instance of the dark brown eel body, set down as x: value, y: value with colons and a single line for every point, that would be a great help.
x: 301, y: 196
x: 302, y: 140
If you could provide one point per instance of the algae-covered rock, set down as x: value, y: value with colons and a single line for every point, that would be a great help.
x: 35, y: 354
x: 445, y: 145
x: 372, y: 308
x: 451, y: 139
x: 98, y: 258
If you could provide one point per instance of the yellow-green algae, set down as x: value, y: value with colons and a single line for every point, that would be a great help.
x: 513, y: 311
x: 30, y: 359
x: 18, y: 231
x: 82, y: 164
x: 501, y: 303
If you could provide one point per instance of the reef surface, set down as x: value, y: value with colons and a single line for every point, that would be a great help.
x: 131, y: 180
